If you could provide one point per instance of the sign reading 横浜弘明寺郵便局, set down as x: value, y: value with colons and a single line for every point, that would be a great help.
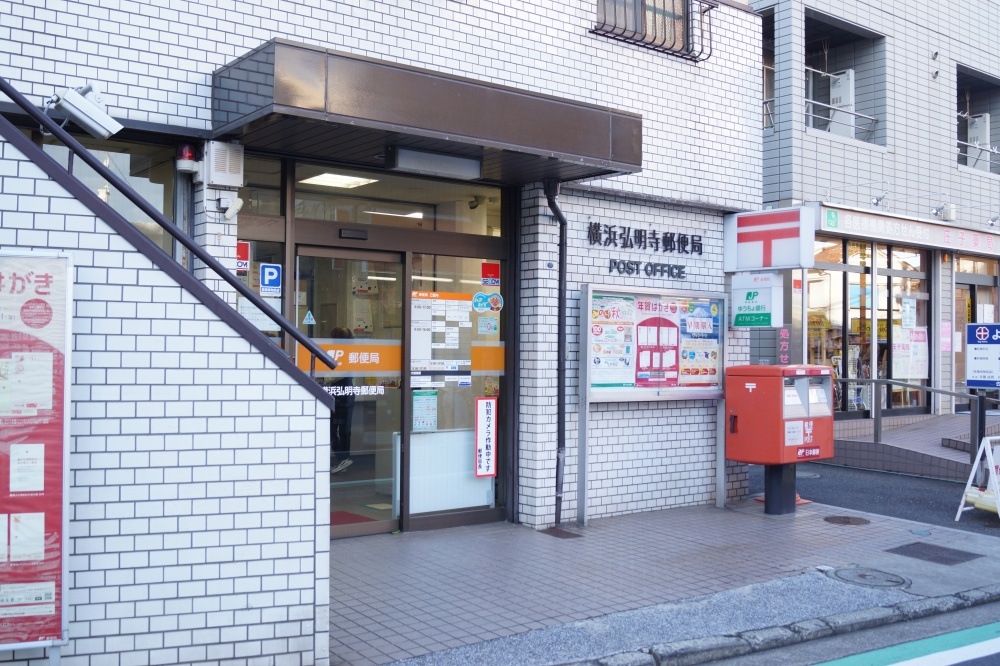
x: 34, y: 353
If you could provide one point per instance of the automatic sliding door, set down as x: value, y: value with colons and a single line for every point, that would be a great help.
x: 351, y: 304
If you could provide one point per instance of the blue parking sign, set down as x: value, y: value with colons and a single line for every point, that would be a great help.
x: 270, y: 279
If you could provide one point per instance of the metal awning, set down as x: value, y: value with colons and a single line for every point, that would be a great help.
x: 294, y: 99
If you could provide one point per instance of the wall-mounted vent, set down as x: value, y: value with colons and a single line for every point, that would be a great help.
x: 223, y: 165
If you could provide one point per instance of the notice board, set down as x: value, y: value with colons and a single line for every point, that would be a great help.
x: 35, y: 307
x: 644, y: 344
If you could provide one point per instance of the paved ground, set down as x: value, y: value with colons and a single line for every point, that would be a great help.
x: 506, y: 594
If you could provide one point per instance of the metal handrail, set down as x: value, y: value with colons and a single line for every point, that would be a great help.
x: 211, y: 262
x: 977, y: 403
x: 971, y: 161
x: 812, y: 116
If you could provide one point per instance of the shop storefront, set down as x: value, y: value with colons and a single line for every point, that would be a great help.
x: 390, y: 237
x: 880, y: 297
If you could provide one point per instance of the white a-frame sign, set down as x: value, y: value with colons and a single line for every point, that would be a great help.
x: 988, y: 498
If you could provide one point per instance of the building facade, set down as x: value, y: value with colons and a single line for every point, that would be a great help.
x: 425, y: 190
x: 887, y: 122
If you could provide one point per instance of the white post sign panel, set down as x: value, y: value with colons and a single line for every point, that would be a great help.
x: 35, y: 298
x: 770, y: 239
x: 758, y: 300
x: 973, y: 497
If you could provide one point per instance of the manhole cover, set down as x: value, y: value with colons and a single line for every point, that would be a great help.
x: 868, y: 577
x: 561, y: 533
x: 936, y: 554
x: 846, y: 520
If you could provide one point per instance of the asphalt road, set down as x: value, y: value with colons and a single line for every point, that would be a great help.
x: 901, y: 496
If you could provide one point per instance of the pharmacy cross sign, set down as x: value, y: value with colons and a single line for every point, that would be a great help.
x: 982, y: 356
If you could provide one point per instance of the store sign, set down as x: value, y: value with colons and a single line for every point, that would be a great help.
x: 648, y: 240
x: 905, y: 230
x: 34, y: 447
x: 770, y: 239
x: 982, y: 356
x: 758, y: 300
x: 242, y: 258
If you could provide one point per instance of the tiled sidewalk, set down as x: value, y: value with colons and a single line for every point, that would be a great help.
x: 398, y: 596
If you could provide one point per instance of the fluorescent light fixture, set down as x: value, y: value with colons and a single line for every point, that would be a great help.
x: 433, y: 164
x: 431, y: 279
x: 382, y: 278
x: 337, y: 180
x: 478, y: 283
x: 416, y: 214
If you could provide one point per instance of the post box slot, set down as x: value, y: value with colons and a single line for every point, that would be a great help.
x: 819, y: 396
x: 794, y: 394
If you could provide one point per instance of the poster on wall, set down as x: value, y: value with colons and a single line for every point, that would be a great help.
x: 910, y: 356
x: 34, y: 442
x: 651, y: 345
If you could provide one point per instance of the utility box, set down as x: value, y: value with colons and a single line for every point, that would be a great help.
x: 779, y: 414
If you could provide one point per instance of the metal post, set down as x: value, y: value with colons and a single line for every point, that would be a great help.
x: 877, y: 410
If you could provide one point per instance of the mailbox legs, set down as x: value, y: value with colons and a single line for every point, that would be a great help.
x: 779, y: 489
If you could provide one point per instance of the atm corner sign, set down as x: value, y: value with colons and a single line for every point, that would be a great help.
x: 758, y: 300
x: 270, y: 279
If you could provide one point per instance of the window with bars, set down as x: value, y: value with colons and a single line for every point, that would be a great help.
x: 682, y: 27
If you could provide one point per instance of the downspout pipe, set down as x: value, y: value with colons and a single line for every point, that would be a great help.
x: 551, y: 194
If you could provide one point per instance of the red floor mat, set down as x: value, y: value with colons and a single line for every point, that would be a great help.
x: 346, y: 518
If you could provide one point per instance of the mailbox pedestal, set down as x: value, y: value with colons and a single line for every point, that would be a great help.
x: 778, y: 415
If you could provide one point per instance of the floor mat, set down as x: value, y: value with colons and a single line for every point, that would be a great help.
x: 346, y: 518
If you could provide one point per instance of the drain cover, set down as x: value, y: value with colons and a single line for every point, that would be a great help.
x: 560, y: 533
x: 846, y: 520
x: 806, y: 475
x: 936, y: 554
x: 868, y: 577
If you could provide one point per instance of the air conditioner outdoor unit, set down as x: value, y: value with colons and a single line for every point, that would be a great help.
x: 842, y: 119
x: 979, y: 135
x: 223, y: 165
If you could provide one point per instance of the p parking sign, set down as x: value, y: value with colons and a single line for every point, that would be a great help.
x: 270, y: 279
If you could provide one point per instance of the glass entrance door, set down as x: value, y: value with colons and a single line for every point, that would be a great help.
x: 351, y: 304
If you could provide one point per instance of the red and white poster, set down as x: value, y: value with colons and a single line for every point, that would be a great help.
x: 34, y: 443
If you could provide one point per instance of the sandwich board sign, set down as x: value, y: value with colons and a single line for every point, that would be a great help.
x: 977, y: 497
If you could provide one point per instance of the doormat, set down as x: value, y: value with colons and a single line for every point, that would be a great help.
x: 346, y: 518
x: 560, y: 533
x: 936, y: 554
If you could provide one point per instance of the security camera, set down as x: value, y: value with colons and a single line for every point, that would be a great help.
x: 476, y: 201
x: 85, y: 107
x: 229, y: 207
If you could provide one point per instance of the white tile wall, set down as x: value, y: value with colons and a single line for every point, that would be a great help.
x: 153, y: 61
x: 199, y: 495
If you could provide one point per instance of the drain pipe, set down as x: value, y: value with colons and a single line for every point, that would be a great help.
x: 551, y: 193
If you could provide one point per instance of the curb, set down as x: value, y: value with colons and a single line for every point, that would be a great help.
x: 712, y: 648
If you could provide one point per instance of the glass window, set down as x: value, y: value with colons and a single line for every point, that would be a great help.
x: 829, y: 250
x: 260, y: 252
x: 389, y: 200
x: 977, y: 266
x: 262, y: 192
x: 457, y: 365
x: 906, y: 259
x: 147, y: 168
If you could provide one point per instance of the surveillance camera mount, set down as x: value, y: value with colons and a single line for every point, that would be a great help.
x: 85, y: 107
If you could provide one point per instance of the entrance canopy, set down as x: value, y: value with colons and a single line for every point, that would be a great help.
x: 312, y: 102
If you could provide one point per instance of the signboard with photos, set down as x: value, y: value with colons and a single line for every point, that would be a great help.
x: 646, y: 344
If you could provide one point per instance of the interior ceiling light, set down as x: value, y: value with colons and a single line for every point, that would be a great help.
x: 383, y: 278
x: 427, y: 278
x: 416, y: 214
x: 337, y: 180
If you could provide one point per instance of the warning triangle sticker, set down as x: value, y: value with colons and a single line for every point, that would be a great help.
x: 309, y: 319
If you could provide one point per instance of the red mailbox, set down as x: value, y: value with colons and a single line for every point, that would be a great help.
x: 779, y: 414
